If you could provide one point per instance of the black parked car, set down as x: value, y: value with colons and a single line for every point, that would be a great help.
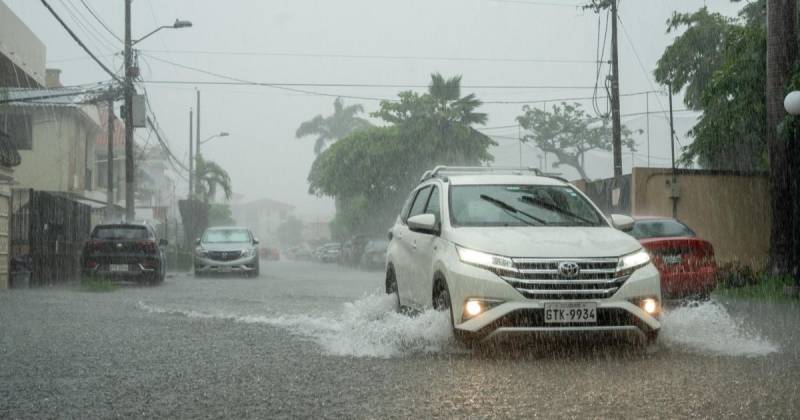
x: 124, y: 251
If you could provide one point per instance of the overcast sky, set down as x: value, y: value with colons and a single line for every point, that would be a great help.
x: 515, y: 47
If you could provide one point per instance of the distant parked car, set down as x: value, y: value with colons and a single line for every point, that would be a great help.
x: 330, y: 252
x: 124, y: 251
x: 374, y: 256
x: 227, y: 250
x: 686, y: 263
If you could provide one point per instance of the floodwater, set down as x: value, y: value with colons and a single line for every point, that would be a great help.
x: 313, y: 340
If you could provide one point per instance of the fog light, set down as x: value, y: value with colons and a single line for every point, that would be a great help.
x: 473, y: 308
x: 649, y: 305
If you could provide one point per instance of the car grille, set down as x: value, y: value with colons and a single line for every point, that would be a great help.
x: 536, y: 278
x: 224, y: 255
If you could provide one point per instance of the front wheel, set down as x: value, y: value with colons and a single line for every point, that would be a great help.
x: 391, y: 288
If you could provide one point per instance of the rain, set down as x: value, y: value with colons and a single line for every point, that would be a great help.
x: 419, y: 209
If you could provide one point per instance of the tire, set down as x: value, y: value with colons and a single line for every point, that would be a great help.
x: 441, y: 299
x: 197, y: 274
x: 391, y: 288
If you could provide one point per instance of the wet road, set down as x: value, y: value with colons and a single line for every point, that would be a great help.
x: 313, y: 340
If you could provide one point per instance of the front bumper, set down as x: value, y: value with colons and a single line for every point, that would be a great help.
x: 240, y: 265
x: 517, y: 314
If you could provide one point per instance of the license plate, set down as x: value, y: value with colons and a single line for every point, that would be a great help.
x: 225, y: 270
x: 672, y: 259
x: 116, y: 268
x: 570, y: 312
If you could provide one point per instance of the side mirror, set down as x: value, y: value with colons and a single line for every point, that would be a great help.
x: 622, y: 222
x: 197, y: 241
x: 255, y: 241
x: 163, y: 242
x: 423, y: 223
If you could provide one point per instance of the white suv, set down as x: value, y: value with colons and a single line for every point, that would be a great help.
x: 510, y: 252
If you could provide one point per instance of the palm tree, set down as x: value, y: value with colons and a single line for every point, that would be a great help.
x: 211, y: 178
x: 450, y: 106
x: 328, y: 129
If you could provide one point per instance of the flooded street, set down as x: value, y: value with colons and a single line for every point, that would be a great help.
x: 312, y: 340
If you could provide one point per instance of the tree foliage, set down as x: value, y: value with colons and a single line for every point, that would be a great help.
x: 370, y: 172
x: 211, y: 178
x: 219, y: 214
x: 342, y: 122
x: 721, y: 62
x: 568, y: 132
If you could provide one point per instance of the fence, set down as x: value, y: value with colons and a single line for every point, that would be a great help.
x: 47, y: 235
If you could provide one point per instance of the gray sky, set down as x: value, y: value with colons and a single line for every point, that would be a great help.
x: 488, y: 42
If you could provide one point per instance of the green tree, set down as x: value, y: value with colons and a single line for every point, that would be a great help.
x: 568, y: 133
x: 219, y: 214
x: 211, y: 178
x: 290, y: 232
x: 370, y: 172
x: 720, y: 62
x: 342, y: 122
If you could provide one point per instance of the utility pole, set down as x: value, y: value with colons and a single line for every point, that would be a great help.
x: 129, y: 70
x: 191, y: 158
x: 673, y: 185
x: 197, y: 140
x: 110, y: 157
x: 616, y: 132
x: 519, y: 137
x: 647, y: 119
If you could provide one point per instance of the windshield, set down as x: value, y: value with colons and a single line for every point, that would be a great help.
x: 665, y: 228
x: 225, y: 236
x: 520, y: 205
x: 120, y: 232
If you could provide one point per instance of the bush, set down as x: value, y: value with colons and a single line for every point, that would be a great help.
x: 735, y: 275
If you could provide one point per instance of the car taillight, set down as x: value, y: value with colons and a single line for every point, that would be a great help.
x: 148, y: 247
x: 94, y: 245
x: 91, y: 264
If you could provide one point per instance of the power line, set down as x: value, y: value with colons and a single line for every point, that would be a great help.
x: 86, y: 25
x: 103, y: 24
x: 538, y: 3
x: 82, y: 45
x: 372, y: 57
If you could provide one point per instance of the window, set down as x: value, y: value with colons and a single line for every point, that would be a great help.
x: 418, y: 207
x: 121, y: 232
x: 520, y: 205
x: 660, y: 228
x: 434, y: 205
x: 225, y: 236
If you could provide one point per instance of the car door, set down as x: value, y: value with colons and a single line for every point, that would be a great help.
x: 404, y: 261
x: 424, y: 246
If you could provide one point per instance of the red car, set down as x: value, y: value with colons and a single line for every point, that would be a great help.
x: 686, y: 262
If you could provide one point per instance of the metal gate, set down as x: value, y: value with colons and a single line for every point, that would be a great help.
x: 47, y: 234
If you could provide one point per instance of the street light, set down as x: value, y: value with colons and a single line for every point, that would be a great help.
x: 221, y: 134
x: 177, y: 25
x: 792, y: 103
x: 130, y: 72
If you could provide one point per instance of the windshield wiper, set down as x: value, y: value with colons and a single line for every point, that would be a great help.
x: 537, y: 202
x: 513, y: 210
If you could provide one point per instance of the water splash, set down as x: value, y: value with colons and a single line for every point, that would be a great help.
x: 708, y: 327
x: 368, y: 327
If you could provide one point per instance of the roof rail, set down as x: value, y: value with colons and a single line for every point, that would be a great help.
x: 514, y: 170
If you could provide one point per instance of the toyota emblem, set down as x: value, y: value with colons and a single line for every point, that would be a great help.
x: 569, y: 269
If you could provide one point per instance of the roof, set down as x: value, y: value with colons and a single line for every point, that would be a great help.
x: 504, y: 179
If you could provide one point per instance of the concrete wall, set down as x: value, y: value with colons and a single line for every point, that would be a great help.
x: 63, y: 144
x: 5, y: 205
x: 20, y: 46
x: 730, y: 210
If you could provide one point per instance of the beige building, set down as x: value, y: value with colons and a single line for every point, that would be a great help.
x: 262, y: 217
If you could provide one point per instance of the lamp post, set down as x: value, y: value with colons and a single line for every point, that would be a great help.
x: 131, y: 72
x: 197, y: 151
x: 792, y: 105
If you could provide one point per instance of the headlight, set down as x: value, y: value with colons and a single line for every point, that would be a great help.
x: 631, y: 262
x: 200, y: 252
x: 248, y: 252
x: 482, y: 259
